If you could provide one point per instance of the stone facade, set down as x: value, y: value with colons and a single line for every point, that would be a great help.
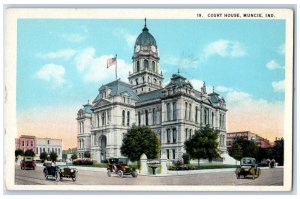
x: 48, y: 145
x: 174, y: 112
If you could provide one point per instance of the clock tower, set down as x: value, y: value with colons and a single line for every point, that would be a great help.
x: 146, y: 74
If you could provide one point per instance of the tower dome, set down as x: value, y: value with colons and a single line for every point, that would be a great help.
x: 145, y: 38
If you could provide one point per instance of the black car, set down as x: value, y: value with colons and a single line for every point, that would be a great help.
x: 59, y: 172
x: 248, y: 167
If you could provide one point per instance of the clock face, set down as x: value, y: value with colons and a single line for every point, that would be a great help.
x: 153, y: 48
x: 137, y: 48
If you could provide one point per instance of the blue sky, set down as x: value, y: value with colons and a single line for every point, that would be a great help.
x: 63, y: 62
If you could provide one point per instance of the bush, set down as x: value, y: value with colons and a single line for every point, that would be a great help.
x: 186, y: 158
x: 86, y: 161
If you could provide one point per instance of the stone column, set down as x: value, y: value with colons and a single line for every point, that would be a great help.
x: 163, y: 164
x: 144, y: 166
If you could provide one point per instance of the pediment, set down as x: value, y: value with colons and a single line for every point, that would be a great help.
x: 102, y: 102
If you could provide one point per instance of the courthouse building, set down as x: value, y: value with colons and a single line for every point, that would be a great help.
x: 174, y: 112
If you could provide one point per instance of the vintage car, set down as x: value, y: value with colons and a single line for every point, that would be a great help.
x: 27, y: 162
x: 59, y: 172
x: 119, y: 167
x: 248, y: 166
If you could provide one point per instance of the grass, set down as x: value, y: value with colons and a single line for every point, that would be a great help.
x: 196, y: 167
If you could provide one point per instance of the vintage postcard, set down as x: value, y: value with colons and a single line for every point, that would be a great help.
x: 149, y: 99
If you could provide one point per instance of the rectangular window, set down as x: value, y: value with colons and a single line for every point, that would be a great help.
x: 190, y: 133
x: 174, y: 135
x: 168, y: 136
x: 186, y: 134
x: 37, y: 150
x: 128, y: 118
x: 196, y: 114
x: 23, y: 143
x: 168, y: 112
x: 174, y: 111
x: 154, y: 116
x: 174, y: 154
x: 146, y: 118
x: 190, y: 111
x: 123, y: 118
x: 185, y: 111
x: 31, y: 143
x: 44, y: 150
x: 168, y: 153
x: 212, y: 119
x: 139, y: 118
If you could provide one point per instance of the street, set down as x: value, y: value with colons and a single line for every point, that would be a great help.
x: 272, y: 177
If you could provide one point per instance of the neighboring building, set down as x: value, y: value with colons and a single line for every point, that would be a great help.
x: 39, y: 145
x: 26, y: 142
x: 174, y: 112
x: 260, y: 141
x: 49, y: 145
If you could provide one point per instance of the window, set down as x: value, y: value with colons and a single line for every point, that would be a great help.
x: 103, y: 118
x: 153, y: 66
x: 168, y: 136
x: 124, y: 99
x: 136, y: 81
x: 146, y: 64
x: 174, y: 153
x: 123, y: 118
x: 186, y: 134
x: 31, y: 143
x: 153, y: 116
x: 48, y: 141
x: 185, y: 111
x: 23, y: 143
x: 212, y: 119
x: 128, y: 118
x: 40, y: 149
x: 139, y: 118
x: 44, y: 150
x: 146, y: 118
x: 190, y: 111
x: 27, y: 144
x: 196, y: 114
x: 138, y: 66
x: 154, y: 81
x: 82, y: 126
x: 168, y: 112
x: 174, y: 135
x: 206, y: 116
x: 168, y: 154
x: 143, y: 79
x: 37, y: 150
x: 190, y: 133
x: 174, y: 110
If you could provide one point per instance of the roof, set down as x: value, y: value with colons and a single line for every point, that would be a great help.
x: 145, y: 38
x: 157, y: 94
x: 87, y: 108
x: 118, y: 88
x: 179, y: 81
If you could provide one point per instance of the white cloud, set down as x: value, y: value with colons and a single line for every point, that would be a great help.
x: 182, y: 61
x: 224, y: 48
x: 198, y: 84
x: 52, y: 73
x: 278, y: 86
x: 272, y: 65
x: 130, y: 38
x: 94, y: 68
x: 63, y: 53
x: 72, y: 37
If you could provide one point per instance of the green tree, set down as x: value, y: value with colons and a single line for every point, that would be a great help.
x: 139, y: 140
x: 74, y: 156
x: 53, y: 156
x: 278, y: 151
x: 237, y: 151
x: 249, y: 148
x: 203, y: 145
x: 87, y: 154
x: 43, y: 156
x: 29, y: 153
x: 19, y: 152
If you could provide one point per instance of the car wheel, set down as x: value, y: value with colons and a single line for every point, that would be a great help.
x: 108, y: 173
x: 120, y: 173
x: 134, y: 174
x: 74, y: 177
x: 33, y: 168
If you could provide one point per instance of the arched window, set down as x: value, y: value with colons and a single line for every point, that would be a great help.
x: 174, y: 111
x: 153, y: 66
x: 138, y: 66
x: 123, y: 118
x: 136, y: 81
x: 168, y: 136
x: 146, y: 118
x: 139, y: 118
x: 128, y: 118
x: 168, y: 112
x: 146, y: 64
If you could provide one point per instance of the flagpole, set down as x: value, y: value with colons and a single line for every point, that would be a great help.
x: 116, y: 68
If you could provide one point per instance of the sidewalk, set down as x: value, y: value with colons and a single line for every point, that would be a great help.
x: 169, y: 173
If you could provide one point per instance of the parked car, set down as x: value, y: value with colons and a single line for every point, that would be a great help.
x: 119, y: 167
x: 59, y: 172
x: 248, y: 166
x: 27, y: 162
